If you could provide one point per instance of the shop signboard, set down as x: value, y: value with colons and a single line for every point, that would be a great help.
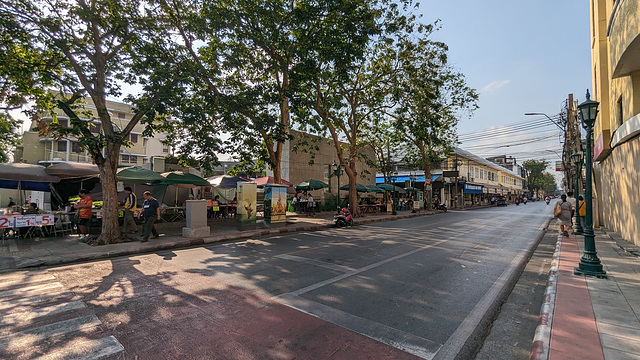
x: 247, y: 205
x: 473, y: 189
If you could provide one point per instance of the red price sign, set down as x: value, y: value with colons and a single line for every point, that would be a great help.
x: 7, y: 222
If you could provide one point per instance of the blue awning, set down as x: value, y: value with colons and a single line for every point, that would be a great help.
x: 25, y: 185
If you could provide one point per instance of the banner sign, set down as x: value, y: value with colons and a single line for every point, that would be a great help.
x: 473, y: 189
x: 275, y: 202
x: 247, y: 206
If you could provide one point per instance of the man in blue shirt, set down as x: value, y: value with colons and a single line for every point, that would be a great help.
x: 150, y: 212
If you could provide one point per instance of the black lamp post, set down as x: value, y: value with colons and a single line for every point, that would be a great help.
x: 577, y: 160
x: 589, y: 262
x: 394, y: 177
x: 337, y: 169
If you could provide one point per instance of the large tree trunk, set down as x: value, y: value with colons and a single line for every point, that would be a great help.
x: 353, y: 193
x: 108, y: 178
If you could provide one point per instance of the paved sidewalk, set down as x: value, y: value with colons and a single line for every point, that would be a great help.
x: 27, y: 253
x: 591, y: 318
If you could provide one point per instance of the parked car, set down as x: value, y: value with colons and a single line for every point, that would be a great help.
x: 501, y: 201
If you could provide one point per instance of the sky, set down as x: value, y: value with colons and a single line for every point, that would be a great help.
x: 521, y: 56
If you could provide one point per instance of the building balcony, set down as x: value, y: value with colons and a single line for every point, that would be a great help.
x: 623, y: 34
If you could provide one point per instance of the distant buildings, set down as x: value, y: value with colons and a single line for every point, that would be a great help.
x: 47, y: 150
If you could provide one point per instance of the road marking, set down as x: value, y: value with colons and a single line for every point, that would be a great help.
x: 45, y: 311
x: 25, y: 338
x: 24, y: 280
x: 404, y: 341
x: 34, y: 300
x: 86, y: 349
x: 28, y: 289
x: 319, y: 263
x: 363, y: 269
x: 458, y: 339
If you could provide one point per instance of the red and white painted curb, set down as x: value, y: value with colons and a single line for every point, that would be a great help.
x: 542, y: 338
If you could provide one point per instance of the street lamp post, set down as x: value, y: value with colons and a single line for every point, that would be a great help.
x: 589, y: 262
x: 394, y: 177
x: 338, y: 171
x: 577, y: 159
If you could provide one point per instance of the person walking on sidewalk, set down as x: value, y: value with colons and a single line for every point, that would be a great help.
x: 150, y: 212
x: 565, y: 216
x: 571, y: 200
x: 129, y: 224
x: 582, y: 212
x: 84, y: 214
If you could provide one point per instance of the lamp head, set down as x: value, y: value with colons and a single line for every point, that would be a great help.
x: 588, y: 111
x: 576, y: 157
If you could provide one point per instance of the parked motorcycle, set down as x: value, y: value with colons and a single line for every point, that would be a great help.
x: 440, y: 207
x: 343, y: 218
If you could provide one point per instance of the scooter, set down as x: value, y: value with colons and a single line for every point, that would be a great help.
x: 517, y: 201
x: 343, y: 218
x: 440, y: 207
x: 547, y: 201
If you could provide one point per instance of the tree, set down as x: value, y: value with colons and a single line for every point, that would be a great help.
x: 549, y: 184
x: 87, y: 50
x: 535, y: 177
x: 8, y: 135
x: 431, y: 98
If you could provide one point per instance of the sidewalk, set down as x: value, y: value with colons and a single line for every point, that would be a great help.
x: 586, y: 317
x: 27, y: 253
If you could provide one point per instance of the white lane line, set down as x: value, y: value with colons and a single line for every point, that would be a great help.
x: 36, y: 313
x: 457, y: 340
x: 24, y: 280
x: 33, y: 300
x: 25, y: 338
x: 404, y: 341
x: 29, y: 289
x: 363, y: 269
x: 86, y: 349
x: 315, y: 262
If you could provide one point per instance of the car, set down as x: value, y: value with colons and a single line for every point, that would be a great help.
x: 501, y: 201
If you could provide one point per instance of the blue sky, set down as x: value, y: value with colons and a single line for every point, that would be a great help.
x: 521, y: 56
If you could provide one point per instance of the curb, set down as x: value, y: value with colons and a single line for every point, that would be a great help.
x: 181, y: 243
x: 542, y: 337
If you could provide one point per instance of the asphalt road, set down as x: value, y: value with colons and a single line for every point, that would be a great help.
x: 422, y: 287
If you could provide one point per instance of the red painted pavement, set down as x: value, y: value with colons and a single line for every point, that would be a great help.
x: 574, y: 334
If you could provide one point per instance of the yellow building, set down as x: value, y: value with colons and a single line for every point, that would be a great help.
x: 615, y: 56
x: 45, y: 150
x: 478, y: 180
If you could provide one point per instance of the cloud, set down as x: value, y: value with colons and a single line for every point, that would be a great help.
x: 495, y: 85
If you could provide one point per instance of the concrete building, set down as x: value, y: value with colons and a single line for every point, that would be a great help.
x: 47, y: 150
x: 615, y: 57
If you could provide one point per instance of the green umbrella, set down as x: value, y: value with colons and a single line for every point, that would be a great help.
x: 179, y: 178
x: 409, y: 188
x: 390, y: 187
x: 138, y: 175
x: 311, y: 184
x: 373, y: 188
x: 359, y: 188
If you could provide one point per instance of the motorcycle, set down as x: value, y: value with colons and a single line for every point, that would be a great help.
x: 547, y: 201
x: 343, y: 218
x: 517, y: 201
x: 440, y: 207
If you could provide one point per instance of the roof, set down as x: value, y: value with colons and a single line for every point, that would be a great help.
x: 484, y: 162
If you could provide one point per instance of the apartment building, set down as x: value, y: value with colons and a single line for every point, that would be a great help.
x: 615, y: 58
x: 47, y: 150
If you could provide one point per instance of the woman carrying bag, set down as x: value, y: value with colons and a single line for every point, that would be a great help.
x: 562, y: 210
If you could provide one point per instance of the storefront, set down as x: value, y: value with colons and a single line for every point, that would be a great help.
x: 473, y: 194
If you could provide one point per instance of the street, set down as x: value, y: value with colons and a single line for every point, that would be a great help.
x: 420, y: 287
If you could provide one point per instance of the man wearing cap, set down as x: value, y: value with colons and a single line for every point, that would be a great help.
x: 150, y: 212
x: 130, y: 202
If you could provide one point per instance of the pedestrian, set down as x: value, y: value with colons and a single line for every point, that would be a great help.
x: 564, y: 218
x: 310, y: 207
x: 582, y: 212
x: 294, y: 202
x: 571, y: 200
x: 150, y: 212
x: 84, y: 214
x: 130, y: 203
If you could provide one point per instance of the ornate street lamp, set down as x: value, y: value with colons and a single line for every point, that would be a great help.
x: 577, y: 160
x: 394, y: 177
x: 337, y: 170
x: 589, y: 262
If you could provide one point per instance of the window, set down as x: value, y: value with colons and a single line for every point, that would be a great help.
x: 327, y: 179
x: 75, y: 147
x: 124, y: 158
x: 63, y: 122
x: 620, y: 114
x: 133, y: 159
x: 62, y: 146
x: 477, y: 176
x: 121, y: 115
x: 133, y: 138
x: 145, y: 141
x: 165, y: 148
x: 94, y: 128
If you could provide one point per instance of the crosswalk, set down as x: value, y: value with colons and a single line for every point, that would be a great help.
x: 40, y: 319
